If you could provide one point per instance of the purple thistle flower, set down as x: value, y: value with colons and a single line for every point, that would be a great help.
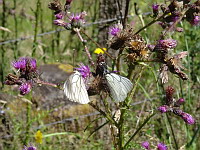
x: 114, y: 30
x: 20, y: 64
x: 163, y: 109
x: 181, y: 100
x: 169, y: 43
x: 59, y: 22
x: 33, y: 64
x: 145, y: 145
x: 59, y: 16
x: 174, y: 17
x: 161, y: 146
x: 25, y: 64
x: 195, y: 21
x: 165, y: 45
x: 84, y: 70
x: 155, y: 7
x: 77, y: 19
x: 25, y: 88
x: 150, y: 47
x: 187, y: 118
x: 29, y: 148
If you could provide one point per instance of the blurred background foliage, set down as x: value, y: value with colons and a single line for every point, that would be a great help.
x: 32, y: 17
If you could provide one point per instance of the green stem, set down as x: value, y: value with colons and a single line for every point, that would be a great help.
x: 99, y: 46
x: 43, y: 30
x: 28, y: 123
x: 16, y: 53
x: 36, y: 28
x: 128, y: 100
x: 194, y: 137
x: 189, y: 68
x: 2, y: 47
x: 121, y: 129
x: 143, y: 124
x: 150, y: 23
x: 106, y: 115
x: 170, y: 124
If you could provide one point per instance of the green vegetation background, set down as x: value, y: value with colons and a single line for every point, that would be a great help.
x: 63, y: 47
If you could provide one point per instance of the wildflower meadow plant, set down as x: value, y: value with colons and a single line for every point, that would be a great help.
x: 173, y: 106
x: 160, y: 146
x: 31, y: 147
x: 116, y: 89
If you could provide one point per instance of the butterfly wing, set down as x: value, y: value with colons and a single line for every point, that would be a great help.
x: 75, y: 89
x: 119, y: 86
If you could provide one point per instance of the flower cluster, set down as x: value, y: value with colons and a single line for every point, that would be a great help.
x: 84, y: 70
x: 165, y: 45
x: 193, y: 14
x: 173, y: 13
x: 169, y: 63
x: 25, y: 65
x: 126, y: 39
x: 160, y: 146
x: 172, y: 105
x: 120, y: 36
x: 85, y: 73
x: 155, y: 8
x: 38, y: 137
x: 27, y: 69
x: 74, y: 20
x: 99, y: 50
x: 114, y: 31
x: 31, y: 147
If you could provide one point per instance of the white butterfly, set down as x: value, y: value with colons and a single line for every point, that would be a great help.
x: 75, y: 89
x: 119, y: 86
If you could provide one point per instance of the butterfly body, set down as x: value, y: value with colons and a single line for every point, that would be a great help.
x: 116, y: 85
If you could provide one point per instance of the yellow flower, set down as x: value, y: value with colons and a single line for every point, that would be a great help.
x: 38, y: 137
x: 99, y: 50
x: 169, y: 14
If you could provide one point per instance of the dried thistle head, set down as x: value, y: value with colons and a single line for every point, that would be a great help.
x: 164, y: 73
x: 137, y: 48
x: 193, y: 13
x: 175, y: 66
x: 163, y: 47
x: 169, y: 95
x: 56, y: 6
x: 97, y: 85
x: 12, y: 79
x: 118, y: 41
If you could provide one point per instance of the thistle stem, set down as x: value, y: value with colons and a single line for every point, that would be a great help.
x: 150, y: 23
x: 97, y: 45
x: 85, y: 47
x: 143, y: 124
x: 47, y: 83
x: 170, y: 124
x: 36, y: 28
x: 104, y: 114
